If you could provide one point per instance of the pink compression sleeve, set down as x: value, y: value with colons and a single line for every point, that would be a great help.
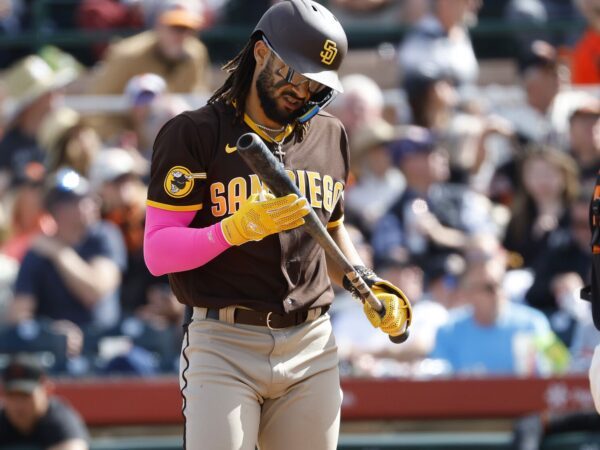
x: 170, y: 246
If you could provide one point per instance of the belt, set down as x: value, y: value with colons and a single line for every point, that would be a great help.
x: 270, y: 320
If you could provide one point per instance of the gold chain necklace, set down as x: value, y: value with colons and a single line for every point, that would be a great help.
x: 270, y: 130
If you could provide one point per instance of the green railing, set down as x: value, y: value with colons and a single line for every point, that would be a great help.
x: 227, y: 36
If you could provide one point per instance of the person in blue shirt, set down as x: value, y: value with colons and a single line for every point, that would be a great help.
x: 491, y: 334
x: 74, y: 275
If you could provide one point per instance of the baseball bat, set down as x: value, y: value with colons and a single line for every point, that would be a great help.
x: 272, y: 172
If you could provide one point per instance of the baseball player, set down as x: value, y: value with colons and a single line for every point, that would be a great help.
x: 258, y: 363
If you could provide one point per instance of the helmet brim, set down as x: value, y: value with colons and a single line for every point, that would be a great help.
x: 308, y: 68
x: 328, y: 78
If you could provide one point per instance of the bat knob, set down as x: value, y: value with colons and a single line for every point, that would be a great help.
x: 247, y: 140
x: 400, y: 338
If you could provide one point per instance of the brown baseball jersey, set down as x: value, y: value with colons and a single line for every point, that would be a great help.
x: 195, y: 167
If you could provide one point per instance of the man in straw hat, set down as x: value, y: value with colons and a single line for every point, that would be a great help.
x: 32, y: 88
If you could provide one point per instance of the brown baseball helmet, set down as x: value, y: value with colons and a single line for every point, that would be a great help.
x: 309, y: 39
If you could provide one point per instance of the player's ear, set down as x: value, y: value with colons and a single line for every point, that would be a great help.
x: 261, y: 53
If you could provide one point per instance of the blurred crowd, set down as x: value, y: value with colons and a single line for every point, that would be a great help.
x: 475, y: 205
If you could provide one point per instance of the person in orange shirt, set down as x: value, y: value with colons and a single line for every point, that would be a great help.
x: 585, y: 58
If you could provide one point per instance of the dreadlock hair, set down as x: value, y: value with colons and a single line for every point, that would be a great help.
x: 236, y: 87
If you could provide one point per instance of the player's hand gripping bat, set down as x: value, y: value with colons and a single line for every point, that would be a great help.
x: 260, y: 159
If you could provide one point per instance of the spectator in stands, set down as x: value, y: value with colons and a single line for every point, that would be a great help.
x: 107, y: 15
x: 360, y: 104
x: 141, y: 92
x: 434, y: 104
x: 378, y: 183
x: 28, y: 218
x: 149, y: 107
x: 117, y: 180
x: 584, y: 67
x: 548, y: 184
x: 242, y: 12
x: 562, y: 270
x: 370, y: 13
x: 501, y: 336
x: 170, y: 50
x: 33, y: 90
x: 432, y: 219
x: 31, y: 416
x: 74, y: 274
x: 542, y: 76
x: 442, y: 36
x: 584, y: 139
x: 152, y: 120
x: 68, y: 142
x: 431, y: 97
x: 538, y: 14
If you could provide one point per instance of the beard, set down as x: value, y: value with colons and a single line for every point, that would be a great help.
x: 264, y: 88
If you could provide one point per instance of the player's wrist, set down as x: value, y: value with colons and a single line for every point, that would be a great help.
x: 367, y: 274
x: 230, y: 232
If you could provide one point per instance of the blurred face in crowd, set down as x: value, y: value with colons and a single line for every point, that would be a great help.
x: 28, y: 209
x: 482, y: 288
x: 73, y: 218
x: 171, y: 40
x: 442, y: 95
x: 541, y: 84
x: 355, y: 110
x: 24, y: 409
x: 81, y: 147
x: 409, y: 277
x: 584, y: 134
x: 378, y: 160
x: 123, y: 192
x: 456, y: 12
x: 424, y: 168
x: 542, y: 179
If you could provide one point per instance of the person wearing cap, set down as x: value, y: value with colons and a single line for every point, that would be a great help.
x: 378, y: 182
x: 170, y: 50
x: 74, y: 274
x: 541, y: 74
x: 441, y: 39
x: 31, y: 416
x: 33, y: 89
x: 258, y: 360
x: 517, y: 333
x: 149, y: 107
x: 584, y: 139
x: 433, y: 218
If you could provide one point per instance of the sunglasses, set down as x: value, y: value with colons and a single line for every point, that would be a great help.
x: 294, y: 78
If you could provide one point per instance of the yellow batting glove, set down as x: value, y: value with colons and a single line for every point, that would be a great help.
x: 398, y: 311
x: 395, y: 319
x: 262, y: 215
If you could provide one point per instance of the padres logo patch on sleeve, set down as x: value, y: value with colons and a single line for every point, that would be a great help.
x: 179, y: 181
